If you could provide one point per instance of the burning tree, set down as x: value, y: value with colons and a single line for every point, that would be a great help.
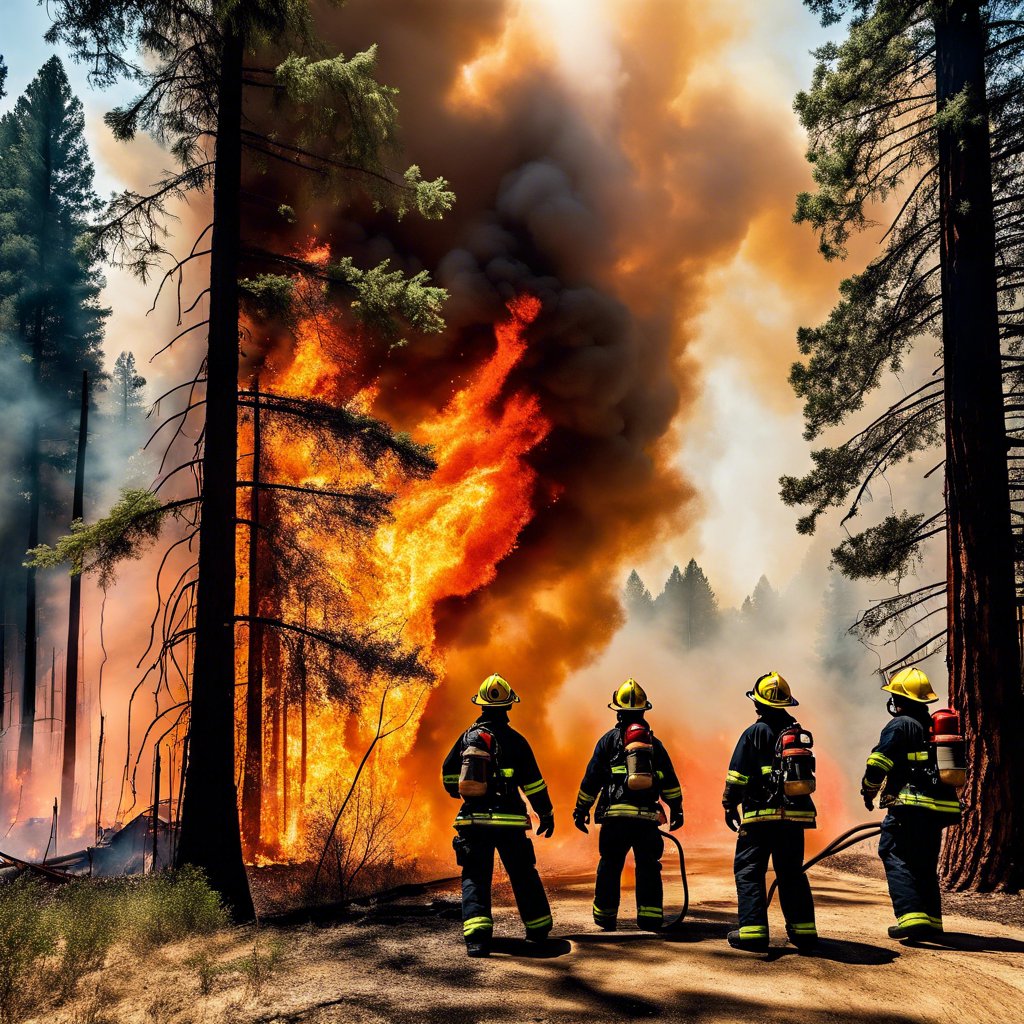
x: 205, y: 94
x: 922, y: 103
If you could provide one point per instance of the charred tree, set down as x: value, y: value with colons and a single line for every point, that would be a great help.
x: 210, y: 833
x: 70, y: 745
x: 987, y: 851
x: 252, y: 780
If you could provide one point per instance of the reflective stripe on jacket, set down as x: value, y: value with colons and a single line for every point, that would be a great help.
x: 515, y: 769
x: 749, y: 782
x: 902, y: 766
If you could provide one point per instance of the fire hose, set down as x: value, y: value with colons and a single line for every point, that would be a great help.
x: 869, y: 830
x: 857, y: 834
x: 676, y: 921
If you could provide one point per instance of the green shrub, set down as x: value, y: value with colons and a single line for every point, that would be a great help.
x: 27, y: 937
x: 88, y: 918
x: 170, y: 906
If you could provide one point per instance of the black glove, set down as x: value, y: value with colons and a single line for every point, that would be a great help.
x: 676, y: 820
x: 546, y: 826
x: 732, y: 818
x: 869, y: 799
x: 580, y: 819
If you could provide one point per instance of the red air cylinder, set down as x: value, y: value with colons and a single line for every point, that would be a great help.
x: 639, y: 756
x: 797, y: 762
x: 950, y: 750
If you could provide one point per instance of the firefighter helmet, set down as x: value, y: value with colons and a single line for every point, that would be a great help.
x: 913, y: 684
x: 495, y: 692
x: 630, y: 696
x: 772, y: 691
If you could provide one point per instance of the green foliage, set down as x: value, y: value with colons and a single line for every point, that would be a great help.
x: 131, y: 524
x: 3, y: 77
x: 28, y: 935
x: 687, y: 606
x: 170, y: 906
x: 638, y: 600
x: 50, y: 282
x: 271, y: 295
x: 886, y: 551
x: 87, y: 916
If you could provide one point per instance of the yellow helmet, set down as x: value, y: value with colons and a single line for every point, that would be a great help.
x: 913, y: 684
x: 773, y: 691
x: 630, y: 696
x: 495, y: 692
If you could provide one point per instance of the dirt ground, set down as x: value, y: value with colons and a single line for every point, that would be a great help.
x: 405, y: 962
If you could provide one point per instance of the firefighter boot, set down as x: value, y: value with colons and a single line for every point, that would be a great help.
x: 752, y: 938
x: 803, y: 936
x: 922, y: 930
x: 478, y: 949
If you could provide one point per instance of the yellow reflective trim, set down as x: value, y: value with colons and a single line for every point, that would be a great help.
x: 753, y: 931
x: 483, y: 818
x: 506, y: 773
x: 671, y: 794
x: 476, y: 924
x: 917, y: 755
x: 917, y: 917
x: 618, y: 769
x: 736, y: 778
x: 538, y: 922
x: 629, y: 811
x: 535, y: 787
x: 877, y: 760
x: 598, y: 912
x: 766, y: 769
x: 804, y: 928
x: 907, y: 798
x: 449, y: 779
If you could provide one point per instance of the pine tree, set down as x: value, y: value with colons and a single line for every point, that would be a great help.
x: 922, y: 100
x: 637, y: 598
x: 203, y: 80
x: 127, y: 387
x: 49, y: 307
x: 701, y: 622
x: 841, y: 654
x: 762, y: 606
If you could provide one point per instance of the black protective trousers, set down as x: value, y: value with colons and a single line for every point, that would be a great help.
x: 909, y: 849
x: 783, y: 843
x: 474, y: 849
x: 617, y: 839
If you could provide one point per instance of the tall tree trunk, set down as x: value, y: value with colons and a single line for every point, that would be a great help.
x: 284, y: 759
x: 252, y: 781
x: 987, y: 851
x: 155, y: 819
x: 210, y: 834
x: 67, y: 773
x: 272, y: 794
x: 30, y: 668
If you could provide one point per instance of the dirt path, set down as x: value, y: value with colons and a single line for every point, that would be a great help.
x: 406, y: 963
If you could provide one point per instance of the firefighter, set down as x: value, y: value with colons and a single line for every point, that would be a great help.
x: 628, y: 774
x: 902, y: 768
x: 487, y: 767
x: 770, y: 825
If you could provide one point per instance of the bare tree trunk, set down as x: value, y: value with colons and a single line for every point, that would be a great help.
x: 67, y: 775
x: 284, y: 758
x: 31, y: 668
x: 987, y: 851
x: 210, y: 834
x: 272, y: 794
x: 156, y: 806
x: 252, y: 781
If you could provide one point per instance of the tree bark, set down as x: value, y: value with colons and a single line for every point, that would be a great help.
x: 986, y: 852
x: 252, y: 780
x: 210, y: 834
x: 26, y: 732
x: 67, y: 777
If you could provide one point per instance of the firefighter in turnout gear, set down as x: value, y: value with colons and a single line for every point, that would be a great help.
x: 902, y: 771
x: 629, y: 773
x: 487, y: 767
x: 775, y: 811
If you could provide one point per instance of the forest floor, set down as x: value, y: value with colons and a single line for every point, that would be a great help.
x: 404, y: 962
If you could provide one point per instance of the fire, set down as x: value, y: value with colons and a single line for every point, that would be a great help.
x: 445, y: 538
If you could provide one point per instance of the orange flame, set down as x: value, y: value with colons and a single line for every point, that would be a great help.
x: 445, y: 538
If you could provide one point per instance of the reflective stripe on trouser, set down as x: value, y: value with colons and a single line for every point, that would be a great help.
x: 516, y: 851
x: 909, y: 849
x: 783, y: 844
x: 617, y: 838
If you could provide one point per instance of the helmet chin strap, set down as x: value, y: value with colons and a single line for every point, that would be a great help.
x: 892, y: 707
